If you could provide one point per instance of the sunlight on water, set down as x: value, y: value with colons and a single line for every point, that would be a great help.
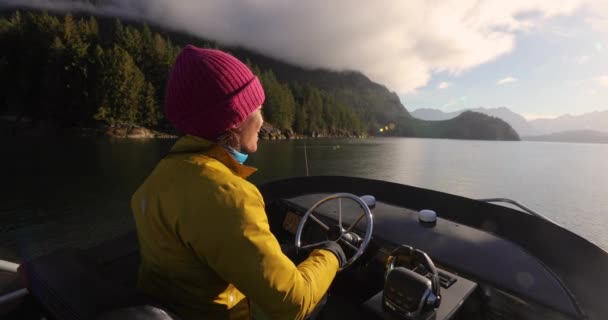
x: 566, y: 182
x: 76, y: 192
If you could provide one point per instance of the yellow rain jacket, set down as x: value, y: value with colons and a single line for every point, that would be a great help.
x: 205, y: 242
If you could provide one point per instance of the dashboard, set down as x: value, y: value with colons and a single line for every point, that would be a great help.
x: 472, y: 264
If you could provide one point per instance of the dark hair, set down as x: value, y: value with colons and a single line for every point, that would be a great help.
x: 230, y: 138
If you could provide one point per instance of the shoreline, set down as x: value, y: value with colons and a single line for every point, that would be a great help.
x: 267, y: 132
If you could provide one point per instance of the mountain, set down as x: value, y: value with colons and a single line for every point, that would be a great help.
x: 84, y: 69
x: 377, y: 105
x: 431, y: 114
x: 595, y: 121
x: 515, y: 120
x: 380, y: 107
x: 567, y: 125
x: 588, y: 136
x: 467, y: 125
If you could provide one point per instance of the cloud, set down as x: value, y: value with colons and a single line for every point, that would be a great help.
x: 443, y: 85
x: 602, y: 81
x: 582, y: 59
x: 598, y: 15
x: 394, y: 42
x: 506, y: 80
x: 599, y: 23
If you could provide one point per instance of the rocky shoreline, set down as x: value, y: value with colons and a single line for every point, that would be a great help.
x: 136, y: 132
x: 267, y: 132
x: 49, y: 130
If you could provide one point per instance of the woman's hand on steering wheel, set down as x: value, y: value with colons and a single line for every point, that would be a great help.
x: 342, y: 234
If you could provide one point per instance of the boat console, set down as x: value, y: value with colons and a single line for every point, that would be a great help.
x: 396, y: 277
x: 410, y: 289
x: 409, y: 293
x: 463, y: 259
x: 413, y: 287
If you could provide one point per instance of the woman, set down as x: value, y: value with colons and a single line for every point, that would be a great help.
x: 204, y: 236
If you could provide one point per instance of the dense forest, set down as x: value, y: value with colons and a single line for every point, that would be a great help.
x: 77, y: 70
x: 71, y: 71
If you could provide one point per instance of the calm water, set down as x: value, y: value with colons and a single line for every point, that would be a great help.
x: 75, y: 192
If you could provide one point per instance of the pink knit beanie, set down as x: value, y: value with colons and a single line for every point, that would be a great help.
x: 209, y: 92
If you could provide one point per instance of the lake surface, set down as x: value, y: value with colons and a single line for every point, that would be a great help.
x: 75, y: 192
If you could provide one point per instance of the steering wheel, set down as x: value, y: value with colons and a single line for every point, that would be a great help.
x: 339, y: 231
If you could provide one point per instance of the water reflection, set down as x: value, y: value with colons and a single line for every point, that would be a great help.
x: 68, y: 191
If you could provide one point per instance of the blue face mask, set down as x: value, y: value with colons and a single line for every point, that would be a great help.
x: 238, y: 156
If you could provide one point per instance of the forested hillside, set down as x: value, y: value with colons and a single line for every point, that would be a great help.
x: 77, y: 70
x: 467, y: 125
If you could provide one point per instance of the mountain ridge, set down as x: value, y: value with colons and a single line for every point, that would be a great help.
x: 85, y: 94
x: 591, y: 121
x: 518, y: 122
x: 577, y: 136
x: 595, y: 121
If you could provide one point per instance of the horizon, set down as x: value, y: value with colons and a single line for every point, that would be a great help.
x: 527, y: 116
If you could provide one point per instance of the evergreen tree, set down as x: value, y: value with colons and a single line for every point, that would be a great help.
x: 313, y: 107
x: 69, y: 70
x: 330, y: 112
x: 119, y: 32
x: 76, y: 57
x: 133, y: 43
x: 301, y: 120
x: 149, y: 112
x: 7, y: 63
x: 279, y: 108
x: 123, y: 84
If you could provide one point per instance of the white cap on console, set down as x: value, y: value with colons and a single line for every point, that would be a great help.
x: 427, y: 216
x: 369, y: 200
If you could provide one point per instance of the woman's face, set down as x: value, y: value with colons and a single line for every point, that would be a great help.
x: 249, y: 132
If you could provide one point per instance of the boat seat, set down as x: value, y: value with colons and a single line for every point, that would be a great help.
x: 141, y: 312
x: 70, y: 286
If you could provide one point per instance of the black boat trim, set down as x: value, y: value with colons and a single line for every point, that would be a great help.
x: 524, y: 230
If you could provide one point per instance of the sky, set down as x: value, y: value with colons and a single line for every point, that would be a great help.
x: 555, y: 68
x: 540, y: 58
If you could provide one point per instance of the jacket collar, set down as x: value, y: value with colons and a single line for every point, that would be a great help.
x: 196, y: 145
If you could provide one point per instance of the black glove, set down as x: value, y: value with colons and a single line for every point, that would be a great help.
x: 336, y: 249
